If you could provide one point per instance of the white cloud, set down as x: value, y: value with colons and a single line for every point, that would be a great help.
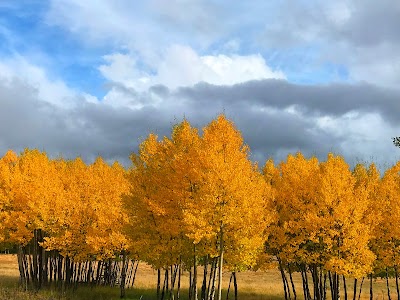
x: 122, y: 68
x: 181, y: 66
x: 50, y: 90
x: 365, y: 137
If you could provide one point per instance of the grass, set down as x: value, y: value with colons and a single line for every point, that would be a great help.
x: 252, y: 286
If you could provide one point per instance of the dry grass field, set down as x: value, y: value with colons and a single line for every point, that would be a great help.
x: 252, y: 286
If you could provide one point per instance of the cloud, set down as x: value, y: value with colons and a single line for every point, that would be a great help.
x: 182, y: 66
x: 52, y: 91
x: 318, y: 100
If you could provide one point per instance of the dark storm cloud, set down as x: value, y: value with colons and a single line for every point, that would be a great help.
x: 330, y: 100
x: 258, y: 108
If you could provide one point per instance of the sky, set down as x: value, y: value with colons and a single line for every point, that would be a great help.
x: 95, y: 77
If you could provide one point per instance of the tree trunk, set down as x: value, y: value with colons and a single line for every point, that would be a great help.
x: 221, y: 262
x: 292, y: 283
x: 387, y: 284
x: 229, y: 286
x: 284, y: 281
x: 303, y: 281
x: 214, y: 277
x: 211, y: 279
x: 178, y: 292
x: 344, y: 287
x: 134, y: 273
x: 204, y: 285
x: 123, y: 275
x: 371, y: 293
x: 190, y: 284
x: 158, y: 283
x: 35, y: 278
x: 355, y: 289
x: 194, y: 273
x: 397, y: 282
x: 361, y: 285
x: 235, y: 285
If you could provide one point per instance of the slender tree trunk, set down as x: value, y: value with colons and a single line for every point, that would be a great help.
x: 397, y: 282
x: 174, y: 275
x: 178, y: 292
x: 204, y: 285
x: 221, y: 261
x: 387, y: 284
x: 344, y: 287
x: 303, y: 281
x: 361, y: 285
x: 158, y: 283
x: 21, y: 267
x: 123, y: 275
x: 211, y: 280
x: 371, y: 293
x: 235, y: 285
x: 134, y: 273
x: 190, y: 284
x: 314, y: 273
x: 284, y: 281
x: 229, y: 286
x: 355, y: 289
x: 35, y: 260
x: 214, y: 278
x: 321, y: 283
x: 165, y: 284
x: 292, y: 283
x: 194, y: 273
x: 331, y: 285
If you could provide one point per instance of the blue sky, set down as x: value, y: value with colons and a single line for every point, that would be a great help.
x: 319, y: 76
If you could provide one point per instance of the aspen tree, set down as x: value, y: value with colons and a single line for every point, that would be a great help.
x: 234, y: 195
x: 296, y: 182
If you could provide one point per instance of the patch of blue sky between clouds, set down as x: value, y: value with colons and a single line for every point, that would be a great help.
x: 322, y: 74
x: 25, y: 33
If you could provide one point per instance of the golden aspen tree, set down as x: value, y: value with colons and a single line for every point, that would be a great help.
x: 153, y: 218
x: 91, y: 220
x: 68, y: 235
x: 296, y: 182
x: 105, y: 235
x: 368, y: 181
x: 233, y: 196
x: 34, y: 186
x: 345, y: 233
x: 164, y: 181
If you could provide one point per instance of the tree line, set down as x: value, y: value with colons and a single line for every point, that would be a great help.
x: 196, y: 199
